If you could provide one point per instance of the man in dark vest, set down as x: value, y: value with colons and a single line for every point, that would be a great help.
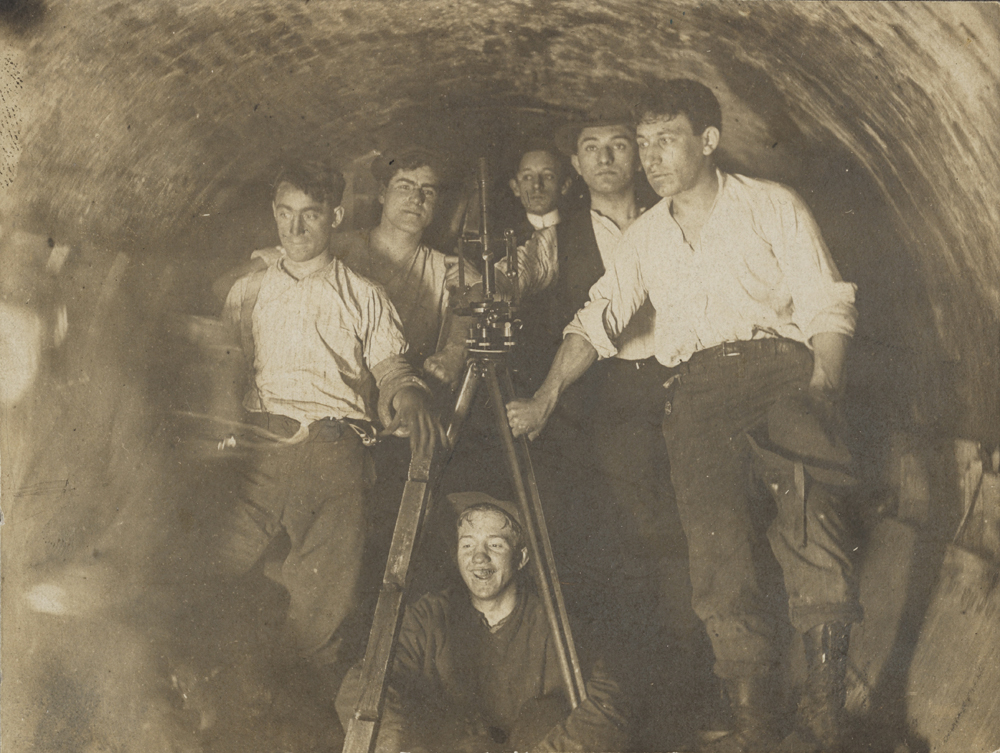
x: 650, y: 574
x: 557, y: 264
x: 606, y: 455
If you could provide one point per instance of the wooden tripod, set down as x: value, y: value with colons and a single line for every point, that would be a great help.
x: 489, y: 365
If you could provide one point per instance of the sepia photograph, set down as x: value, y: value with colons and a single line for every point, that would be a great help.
x: 498, y: 376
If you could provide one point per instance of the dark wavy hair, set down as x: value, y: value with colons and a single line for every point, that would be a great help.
x: 318, y: 179
x: 680, y: 96
x: 390, y: 162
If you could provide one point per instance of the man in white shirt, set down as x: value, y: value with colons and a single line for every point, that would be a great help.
x: 325, y: 351
x: 753, y: 316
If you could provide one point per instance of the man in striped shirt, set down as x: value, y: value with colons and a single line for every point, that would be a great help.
x: 326, y: 354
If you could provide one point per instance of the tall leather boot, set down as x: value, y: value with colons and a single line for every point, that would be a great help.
x: 754, y: 702
x: 819, y: 723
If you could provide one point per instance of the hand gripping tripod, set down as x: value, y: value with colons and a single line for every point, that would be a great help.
x: 490, y: 341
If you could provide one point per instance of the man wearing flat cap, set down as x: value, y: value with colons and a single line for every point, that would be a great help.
x: 628, y: 438
x: 755, y: 320
x: 476, y: 667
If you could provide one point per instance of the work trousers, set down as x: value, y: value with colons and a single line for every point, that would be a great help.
x: 632, y: 459
x: 318, y: 493
x: 718, y: 397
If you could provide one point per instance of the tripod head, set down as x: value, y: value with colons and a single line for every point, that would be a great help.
x: 496, y: 324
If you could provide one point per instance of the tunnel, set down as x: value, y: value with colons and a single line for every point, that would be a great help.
x: 139, y: 144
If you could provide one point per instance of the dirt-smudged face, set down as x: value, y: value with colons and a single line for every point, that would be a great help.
x: 674, y: 157
x: 304, y: 224
x: 409, y: 199
x: 487, y: 559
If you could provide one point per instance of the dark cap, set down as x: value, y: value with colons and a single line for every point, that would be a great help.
x: 610, y: 109
x: 796, y: 433
x: 462, y: 501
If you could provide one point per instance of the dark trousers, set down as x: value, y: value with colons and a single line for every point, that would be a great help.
x: 734, y: 532
x: 632, y: 458
x: 317, y: 492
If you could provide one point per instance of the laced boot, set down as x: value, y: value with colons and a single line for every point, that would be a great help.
x: 819, y: 723
x: 753, y: 701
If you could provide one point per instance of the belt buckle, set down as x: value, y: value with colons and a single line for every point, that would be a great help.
x: 731, y: 349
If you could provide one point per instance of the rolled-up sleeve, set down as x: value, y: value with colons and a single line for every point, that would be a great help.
x: 384, y: 347
x: 614, y: 299
x: 822, y: 301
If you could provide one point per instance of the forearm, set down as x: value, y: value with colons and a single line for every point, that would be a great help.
x: 392, y: 376
x: 572, y: 360
x: 830, y: 356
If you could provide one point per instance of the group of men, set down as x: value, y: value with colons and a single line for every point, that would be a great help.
x: 717, y: 312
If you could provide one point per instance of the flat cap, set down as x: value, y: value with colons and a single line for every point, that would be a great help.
x: 610, y: 109
x: 462, y: 501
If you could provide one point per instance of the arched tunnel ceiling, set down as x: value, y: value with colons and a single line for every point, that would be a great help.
x: 136, y: 142
x: 135, y: 116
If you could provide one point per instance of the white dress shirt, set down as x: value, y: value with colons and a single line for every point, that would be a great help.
x: 760, y: 268
x: 636, y: 341
x: 538, y: 259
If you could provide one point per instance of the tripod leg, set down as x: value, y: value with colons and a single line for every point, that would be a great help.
x: 523, y: 477
x: 466, y: 395
x: 363, y: 728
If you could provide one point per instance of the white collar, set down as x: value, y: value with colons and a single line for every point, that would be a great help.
x: 540, y: 221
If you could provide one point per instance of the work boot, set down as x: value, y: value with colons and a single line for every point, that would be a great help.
x: 753, y: 701
x: 819, y: 721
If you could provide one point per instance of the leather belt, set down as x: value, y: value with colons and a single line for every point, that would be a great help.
x: 763, y: 346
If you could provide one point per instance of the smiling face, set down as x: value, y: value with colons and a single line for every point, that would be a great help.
x: 487, y: 557
x: 675, y: 158
x: 409, y: 198
x: 606, y: 158
x: 304, y: 224
x: 539, y: 182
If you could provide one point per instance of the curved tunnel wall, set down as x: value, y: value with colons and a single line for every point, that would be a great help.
x: 137, y: 119
x: 144, y: 135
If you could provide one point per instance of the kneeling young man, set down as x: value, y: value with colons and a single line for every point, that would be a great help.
x: 476, y: 667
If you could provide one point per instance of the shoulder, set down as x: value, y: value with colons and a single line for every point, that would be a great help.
x: 431, y: 608
x: 535, y: 616
x: 349, y: 245
x: 338, y: 274
x: 760, y: 193
x: 437, y: 259
x: 650, y: 222
x: 576, y: 219
x: 269, y: 256
x: 350, y: 285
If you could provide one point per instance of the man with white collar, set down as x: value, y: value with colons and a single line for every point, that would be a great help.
x: 325, y: 352
x: 755, y: 319
x: 540, y: 181
x: 476, y: 668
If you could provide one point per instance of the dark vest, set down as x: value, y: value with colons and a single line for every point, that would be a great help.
x: 547, y: 314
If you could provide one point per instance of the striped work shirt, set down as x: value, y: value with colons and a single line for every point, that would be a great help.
x: 324, y: 346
